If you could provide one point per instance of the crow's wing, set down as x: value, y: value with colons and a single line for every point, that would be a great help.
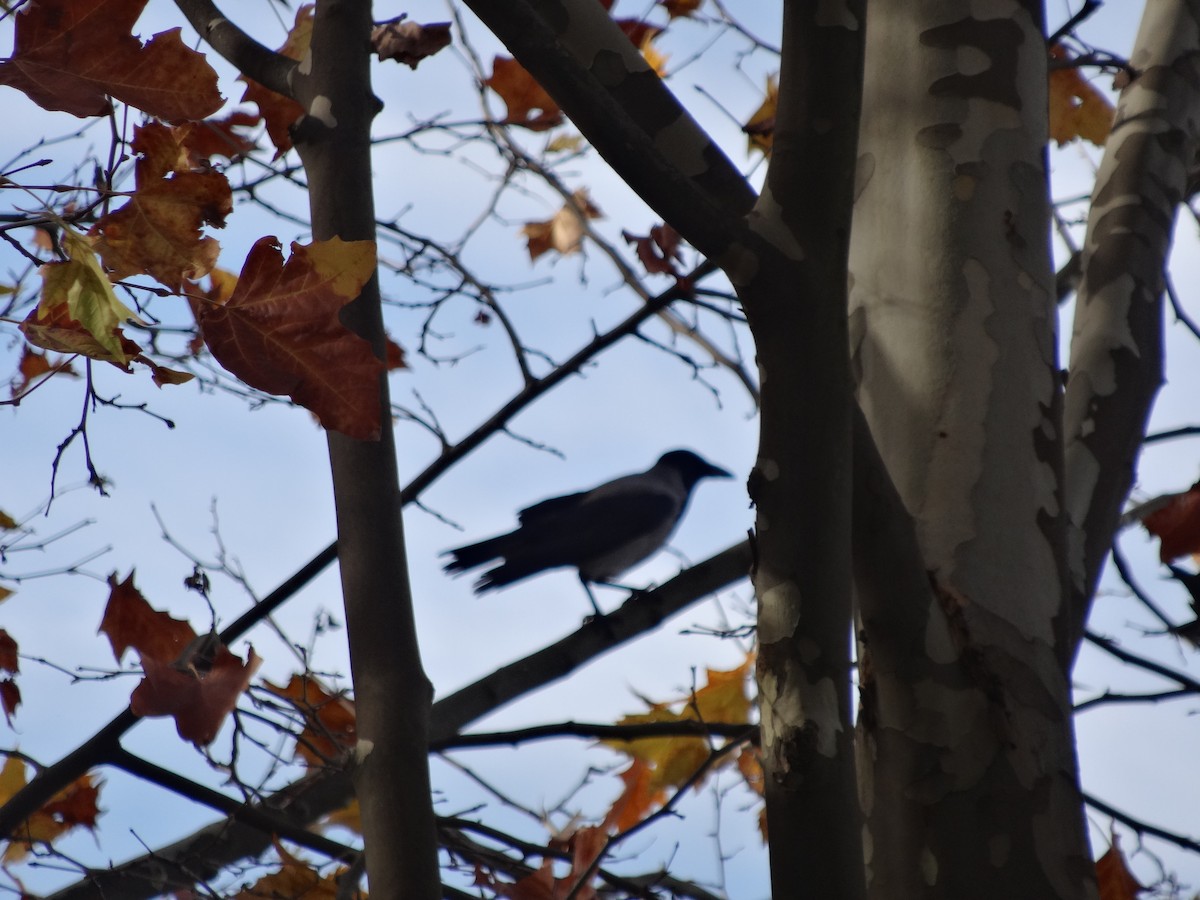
x: 530, y: 515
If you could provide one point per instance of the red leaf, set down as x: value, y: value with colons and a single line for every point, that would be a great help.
x: 199, y: 694
x: 280, y: 332
x: 522, y: 95
x: 1177, y: 525
x: 70, y: 54
x: 10, y: 698
x: 129, y: 621
x: 8, y: 653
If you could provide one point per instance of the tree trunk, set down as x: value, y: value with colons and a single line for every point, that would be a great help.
x: 966, y: 754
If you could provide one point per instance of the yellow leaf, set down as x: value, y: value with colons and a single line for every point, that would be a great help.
x: 564, y: 232
x: 1077, y: 110
x: 348, y: 264
x: 760, y: 129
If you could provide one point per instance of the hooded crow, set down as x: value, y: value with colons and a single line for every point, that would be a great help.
x: 602, y: 532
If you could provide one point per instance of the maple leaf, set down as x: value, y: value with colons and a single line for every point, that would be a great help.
x: 70, y: 55
x: 522, y: 95
x: 158, y: 231
x: 637, y: 798
x: 74, y: 806
x: 409, y: 42
x: 330, y: 725
x: 760, y: 128
x: 10, y: 694
x: 1113, y: 877
x: 78, y: 311
x: 279, y: 331
x: 34, y: 365
x: 197, y: 680
x: 296, y: 880
x: 1077, y: 110
x: 1175, y: 521
x: 279, y: 112
x: 680, y: 8
x: 218, y: 137
x: 658, y: 250
x: 564, y: 231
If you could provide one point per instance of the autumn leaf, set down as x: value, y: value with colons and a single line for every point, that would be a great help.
x: 75, y: 806
x: 218, y: 137
x: 1175, y: 521
x: 522, y: 96
x: 638, y: 797
x: 760, y: 128
x: 70, y: 55
x: 34, y: 365
x: 279, y: 112
x: 330, y: 726
x: 158, y: 231
x: 565, y: 230
x: 279, y: 331
x: 680, y: 8
x: 409, y: 42
x: 1113, y: 877
x: 1077, y: 110
x: 659, y: 250
x: 196, y: 680
x: 656, y: 59
x: 296, y: 880
x: 78, y: 311
x: 10, y: 664
x: 584, y: 845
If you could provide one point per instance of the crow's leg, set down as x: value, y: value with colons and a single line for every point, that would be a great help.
x: 587, y: 587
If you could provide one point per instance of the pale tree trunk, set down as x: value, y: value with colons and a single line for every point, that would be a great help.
x: 1116, y: 347
x: 967, y: 767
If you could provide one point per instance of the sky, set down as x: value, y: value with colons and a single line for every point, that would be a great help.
x: 257, y: 475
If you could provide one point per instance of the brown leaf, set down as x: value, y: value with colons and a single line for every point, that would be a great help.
x: 10, y: 698
x: 1177, y: 524
x: 395, y: 356
x: 680, y: 8
x: 330, y: 724
x: 199, y: 692
x: 522, y: 96
x: 1077, y: 110
x: 9, y: 662
x: 34, y: 365
x: 158, y: 231
x: 637, y: 799
x: 658, y: 250
x: 130, y: 622
x: 563, y: 232
x: 296, y: 880
x: 218, y: 137
x: 70, y: 54
x: 74, y: 806
x: 280, y: 332
x: 760, y: 128
x: 277, y: 111
x: 1113, y: 877
x: 409, y: 42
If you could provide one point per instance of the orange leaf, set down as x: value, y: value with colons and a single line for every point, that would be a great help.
x: 1113, y: 877
x: 761, y: 126
x: 1177, y: 525
x: 34, y: 365
x: 158, y: 231
x: 69, y: 54
x: 330, y: 727
x: 277, y: 111
x: 565, y: 230
x: 1077, y: 110
x: 280, y: 332
x: 636, y: 800
x: 296, y: 880
x: 658, y: 250
x: 73, y: 806
x: 678, y: 8
x: 522, y: 95
x: 218, y: 137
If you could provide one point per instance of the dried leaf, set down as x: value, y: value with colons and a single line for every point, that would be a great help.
x: 760, y: 128
x: 1176, y: 524
x: 74, y: 806
x: 680, y: 8
x: 330, y: 726
x: 523, y: 96
x: 1077, y: 110
x: 277, y: 111
x: 409, y: 42
x: 280, y: 332
x: 564, y: 231
x: 659, y: 250
x: 1113, y: 877
x: 70, y: 55
x: 218, y: 137
x: 158, y: 231
x: 34, y: 365
x: 296, y: 880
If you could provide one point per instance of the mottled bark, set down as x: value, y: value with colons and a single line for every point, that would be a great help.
x: 1116, y: 347
x: 967, y: 775
x: 793, y: 287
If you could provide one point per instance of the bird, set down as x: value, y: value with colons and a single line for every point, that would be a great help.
x: 602, y: 532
